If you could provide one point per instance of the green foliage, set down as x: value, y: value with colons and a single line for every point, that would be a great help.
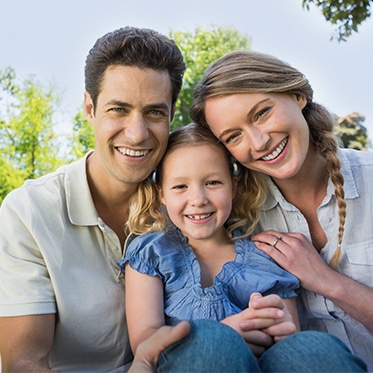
x: 29, y: 146
x: 83, y: 138
x: 346, y: 14
x: 351, y: 131
x: 200, y: 48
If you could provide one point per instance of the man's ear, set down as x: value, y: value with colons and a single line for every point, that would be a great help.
x: 88, y: 107
x: 172, y: 113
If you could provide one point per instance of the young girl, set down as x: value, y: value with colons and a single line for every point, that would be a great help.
x: 262, y: 110
x: 196, y: 262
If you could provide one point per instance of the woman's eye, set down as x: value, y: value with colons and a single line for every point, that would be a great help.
x: 232, y: 137
x: 261, y: 113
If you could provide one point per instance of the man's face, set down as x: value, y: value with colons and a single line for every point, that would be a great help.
x: 131, y: 122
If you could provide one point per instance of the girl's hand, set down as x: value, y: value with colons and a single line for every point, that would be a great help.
x: 278, y: 328
x: 265, y: 321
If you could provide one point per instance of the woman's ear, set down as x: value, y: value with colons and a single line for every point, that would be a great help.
x: 301, y: 100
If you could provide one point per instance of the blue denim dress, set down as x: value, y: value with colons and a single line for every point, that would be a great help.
x: 168, y: 256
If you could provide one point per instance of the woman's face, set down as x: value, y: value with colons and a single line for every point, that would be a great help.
x: 264, y: 132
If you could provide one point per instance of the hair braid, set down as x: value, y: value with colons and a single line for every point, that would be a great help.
x: 321, y: 125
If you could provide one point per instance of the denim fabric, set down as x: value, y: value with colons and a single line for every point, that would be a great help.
x: 213, y: 347
x: 308, y: 352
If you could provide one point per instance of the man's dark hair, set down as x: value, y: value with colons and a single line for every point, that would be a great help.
x: 138, y: 47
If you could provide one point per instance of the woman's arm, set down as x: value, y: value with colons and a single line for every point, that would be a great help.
x: 144, y: 305
x: 295, y: 253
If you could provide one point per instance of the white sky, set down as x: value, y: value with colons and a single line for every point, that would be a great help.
x: 50, y: 39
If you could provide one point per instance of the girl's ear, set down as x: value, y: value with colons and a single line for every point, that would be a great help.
x: 234, y: 186
x: 160, y: 194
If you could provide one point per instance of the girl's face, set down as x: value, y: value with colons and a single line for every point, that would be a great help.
x: 264, y: 132
x: 197, y: 189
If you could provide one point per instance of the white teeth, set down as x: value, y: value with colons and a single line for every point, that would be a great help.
x: 133, y: 153
x: 198, y: 217
x: 278, y: 150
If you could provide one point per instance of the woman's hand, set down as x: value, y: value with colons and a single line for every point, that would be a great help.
x: 295, y: 253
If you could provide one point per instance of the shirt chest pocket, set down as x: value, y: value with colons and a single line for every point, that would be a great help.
x: 358, y: 263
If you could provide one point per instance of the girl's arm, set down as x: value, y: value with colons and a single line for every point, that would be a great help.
x: 144, y: 305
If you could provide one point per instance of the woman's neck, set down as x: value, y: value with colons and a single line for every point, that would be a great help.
x: 309, y: 186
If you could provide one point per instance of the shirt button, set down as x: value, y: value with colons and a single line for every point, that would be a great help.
x: 327, y: 220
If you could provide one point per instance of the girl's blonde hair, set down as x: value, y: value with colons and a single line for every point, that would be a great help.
x: 147, y: 213
x: 253, y: 72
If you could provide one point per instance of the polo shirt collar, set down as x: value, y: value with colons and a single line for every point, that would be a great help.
x: 80, y: 206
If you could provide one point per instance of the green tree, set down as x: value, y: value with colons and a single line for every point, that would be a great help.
x: 347, y: 15
x: 200, y: 48
x: 29, y: 146
x: 83, y: 138
x: 351, y: 131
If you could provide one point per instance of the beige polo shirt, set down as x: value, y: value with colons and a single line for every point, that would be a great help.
x: 57, y: 256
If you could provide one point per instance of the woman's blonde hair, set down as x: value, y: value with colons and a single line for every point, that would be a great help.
x: 147, y: 213
x: 253, y: 72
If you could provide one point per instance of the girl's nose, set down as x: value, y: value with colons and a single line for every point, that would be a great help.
x: 198, y: 197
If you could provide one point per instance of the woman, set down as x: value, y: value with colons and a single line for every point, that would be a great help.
x: 262, y: 110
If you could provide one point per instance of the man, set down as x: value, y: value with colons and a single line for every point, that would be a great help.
x: 61, y: 302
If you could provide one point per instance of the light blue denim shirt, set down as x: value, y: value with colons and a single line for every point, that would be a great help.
x: 315, y: 311
x: 171, y: 258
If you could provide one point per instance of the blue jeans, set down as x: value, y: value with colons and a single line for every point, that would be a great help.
x: 214, y: 347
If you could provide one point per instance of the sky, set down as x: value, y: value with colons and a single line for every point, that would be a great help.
x: 50, y: 40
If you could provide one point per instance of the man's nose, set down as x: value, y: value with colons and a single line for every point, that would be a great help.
x: 136, y: 129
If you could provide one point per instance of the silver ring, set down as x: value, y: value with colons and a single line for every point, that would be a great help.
x: 276, y: 241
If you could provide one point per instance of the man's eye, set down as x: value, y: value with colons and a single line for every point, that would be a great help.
x: 117, y: 109
x: 157, y: 113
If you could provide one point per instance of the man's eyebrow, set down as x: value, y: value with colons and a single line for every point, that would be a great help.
x: 156, y: 105
x: 118, y: 103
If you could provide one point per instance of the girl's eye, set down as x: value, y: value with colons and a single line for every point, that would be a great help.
x: 181, y: 186
x: 213, y: 182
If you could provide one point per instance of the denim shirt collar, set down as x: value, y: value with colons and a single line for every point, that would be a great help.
x: 275, y: 197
